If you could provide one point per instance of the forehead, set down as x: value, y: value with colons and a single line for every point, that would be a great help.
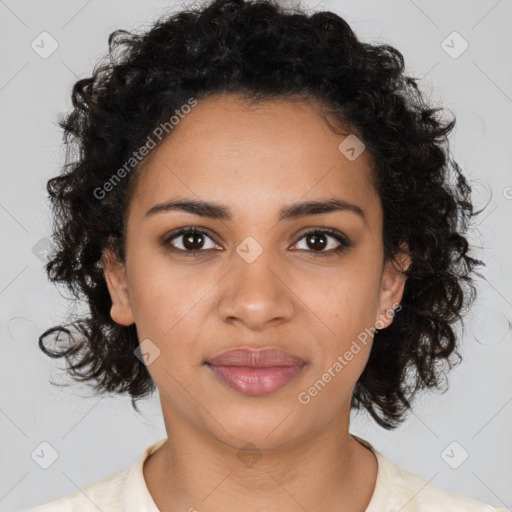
x: 254, y: 157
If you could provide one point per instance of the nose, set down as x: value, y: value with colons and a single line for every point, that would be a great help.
x: 257, y: 294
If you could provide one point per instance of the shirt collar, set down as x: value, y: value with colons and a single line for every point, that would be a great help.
x: 386, y: 472
x: 136, y: 496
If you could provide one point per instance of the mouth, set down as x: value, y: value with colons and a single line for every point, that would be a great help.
x: 255, y: 372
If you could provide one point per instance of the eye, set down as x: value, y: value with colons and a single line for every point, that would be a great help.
x: 192, y: 241
x: 317, y: 239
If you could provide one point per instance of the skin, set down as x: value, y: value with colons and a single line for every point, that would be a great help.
x: 255, y: 161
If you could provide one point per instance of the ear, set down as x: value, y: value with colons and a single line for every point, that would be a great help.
x: 392, y: 287
x: 115, y: 276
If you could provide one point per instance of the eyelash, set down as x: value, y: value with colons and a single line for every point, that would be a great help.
x: 345, y: 243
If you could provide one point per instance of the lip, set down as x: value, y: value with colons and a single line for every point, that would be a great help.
x: 256, y: 372
x: 256, y: 358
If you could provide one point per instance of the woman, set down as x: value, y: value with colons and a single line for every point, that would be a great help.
x: 264, y: 222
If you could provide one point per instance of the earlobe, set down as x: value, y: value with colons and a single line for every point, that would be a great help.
x: 392, y: 287
x: 115, y: 277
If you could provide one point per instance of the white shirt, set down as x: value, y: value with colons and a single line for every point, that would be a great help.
x: 395, y: 487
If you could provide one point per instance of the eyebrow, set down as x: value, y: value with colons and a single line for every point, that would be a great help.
x: 287, y: 213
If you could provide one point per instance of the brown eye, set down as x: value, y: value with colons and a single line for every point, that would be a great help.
x: 189, y: 240
x: 193, y: 241
x: 317, y: 241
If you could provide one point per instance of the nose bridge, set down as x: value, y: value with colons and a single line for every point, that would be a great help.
x: 256, y: 293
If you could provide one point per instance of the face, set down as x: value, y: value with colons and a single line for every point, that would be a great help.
x: 264, y: 274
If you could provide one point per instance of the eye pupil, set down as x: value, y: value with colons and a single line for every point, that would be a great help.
x: 315, y: 241
x: 190, y: 245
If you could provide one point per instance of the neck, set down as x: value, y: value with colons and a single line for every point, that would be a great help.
x: 191, y: 470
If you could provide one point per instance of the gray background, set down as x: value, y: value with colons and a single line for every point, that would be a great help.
x: 95, y: 437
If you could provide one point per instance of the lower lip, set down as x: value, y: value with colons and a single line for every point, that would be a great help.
x: 256, y: 381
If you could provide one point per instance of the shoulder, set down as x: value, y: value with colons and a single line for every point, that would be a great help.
x: 422, y: 496
x: 105, y: 495
x: 400, y: 490
x: 120, y: 492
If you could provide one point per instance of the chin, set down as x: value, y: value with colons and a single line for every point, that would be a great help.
x: 269, y: 426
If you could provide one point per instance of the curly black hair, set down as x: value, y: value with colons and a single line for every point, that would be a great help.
x: 263, y: 50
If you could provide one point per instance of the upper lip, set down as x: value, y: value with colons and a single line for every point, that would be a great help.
x: 256, y: 358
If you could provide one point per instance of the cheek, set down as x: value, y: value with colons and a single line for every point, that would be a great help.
x: 169, y: 304
x: 159, y: 298
x: 346, y: 306
x: 166, y: 310
x: 342, y: 350
x: 345, y: 299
